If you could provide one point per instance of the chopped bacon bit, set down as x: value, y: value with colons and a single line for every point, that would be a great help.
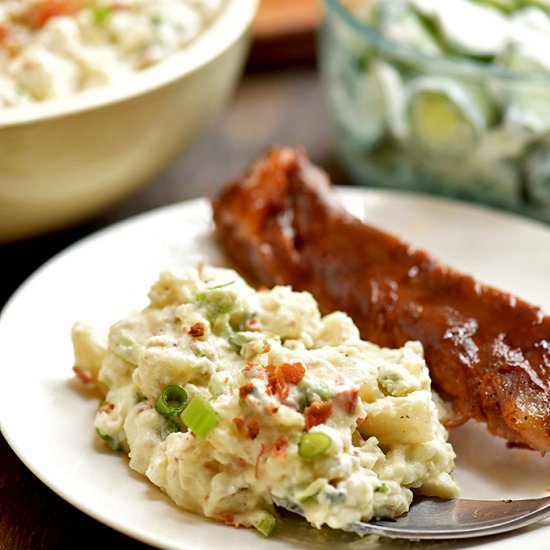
x: 253, y: 429
x: 248, y: 430
x: 245, y: 390
x: 257, y: 468
x: 292, y: 372
x: 270, y: 369
x: 265, y: 349
x: 83, y: 375
x: 347, y: 400
x: 277, y: 385
x: 274, y: 410
x: 317, y: 413
x: 44, y: 11
x: 281, y: 375
x: 360, y: 421
x: 106, y: 407
x: 279, y: 449
x: 197, y: 330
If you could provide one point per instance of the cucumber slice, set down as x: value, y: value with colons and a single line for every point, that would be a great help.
x: 497, y: 182
x: 529, y: 44
x: 528, y: 105
x: 406, y: 28
x: 349, y: 42
x: 506, y: 141
x: 465, y: 27
x: 507, y: 6
x: 444, y: 119
x: 393, y: 94
x: 537, y: 170
x: 386, y: 166
x: 359, y: 107
x: 527, y: 102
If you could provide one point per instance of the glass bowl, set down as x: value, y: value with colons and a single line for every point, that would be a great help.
x: 435, y: 123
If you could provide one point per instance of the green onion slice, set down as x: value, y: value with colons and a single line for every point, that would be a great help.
x: 172, y: 400
x: 266, y: 524
x: 313, y: 444
x: 312, y: 489
x: 200, y: 417
x: 101, y: 13
x: 238, y: 340
x: 223, y: 285
x: 383, y: 488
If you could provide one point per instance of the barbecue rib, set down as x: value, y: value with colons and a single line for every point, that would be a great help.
x: 488, y: 352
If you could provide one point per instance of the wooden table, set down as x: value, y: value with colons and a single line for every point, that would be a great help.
x: 283, y: 107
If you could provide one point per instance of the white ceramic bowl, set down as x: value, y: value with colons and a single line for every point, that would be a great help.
x: 64, y: 160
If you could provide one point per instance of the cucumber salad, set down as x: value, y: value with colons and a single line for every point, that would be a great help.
x: 229, y: 399
x: 54, y: 48
x: 447, y: 96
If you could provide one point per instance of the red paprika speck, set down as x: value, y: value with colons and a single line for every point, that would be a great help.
x: 83, y: 375
x: 347, y: 400
x: 106, y: 407
x: 360, y: 421
x: 279, y: 449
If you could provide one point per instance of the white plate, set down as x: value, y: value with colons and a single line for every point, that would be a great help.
x: 106, y: 275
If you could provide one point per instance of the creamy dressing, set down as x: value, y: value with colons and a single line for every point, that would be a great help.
x: 278, y: 378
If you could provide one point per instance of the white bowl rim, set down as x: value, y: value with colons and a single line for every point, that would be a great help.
x: 233, y: 20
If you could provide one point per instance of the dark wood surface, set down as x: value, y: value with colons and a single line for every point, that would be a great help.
x: 283, y: 107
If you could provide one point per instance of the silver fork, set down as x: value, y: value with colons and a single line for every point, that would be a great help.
x: 450, y: 519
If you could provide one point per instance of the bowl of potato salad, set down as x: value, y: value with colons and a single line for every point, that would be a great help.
x: 231, y: 400
x: 450, y: 97
x: 98, y: 96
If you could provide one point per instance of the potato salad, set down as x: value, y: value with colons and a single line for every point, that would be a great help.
x: 231, y: 399
x: 54, y: 48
